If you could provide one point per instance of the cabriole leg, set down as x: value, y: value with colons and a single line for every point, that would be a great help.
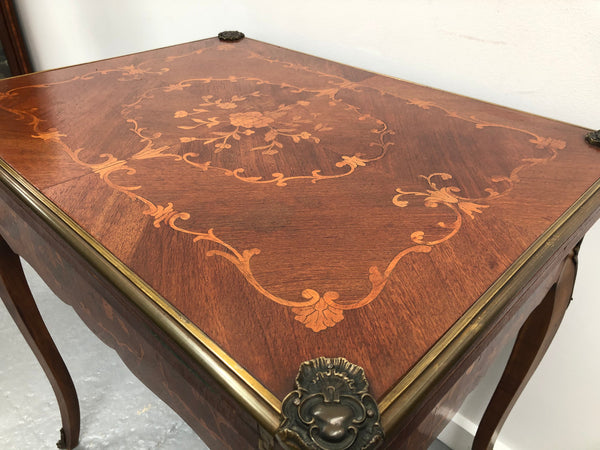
x: 532, y: 342
x: 20, y: 304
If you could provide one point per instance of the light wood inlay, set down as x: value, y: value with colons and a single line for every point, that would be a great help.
x: 264, y: 208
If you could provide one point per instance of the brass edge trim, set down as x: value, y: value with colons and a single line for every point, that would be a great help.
x: 406, y: 395
x: 255, y: 398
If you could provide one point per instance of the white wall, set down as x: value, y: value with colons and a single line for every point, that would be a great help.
x: 538, y: 56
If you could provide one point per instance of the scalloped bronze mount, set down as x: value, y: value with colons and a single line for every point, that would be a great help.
x: 593, y: 137
x: 231, y: 36
x: 330, y: 409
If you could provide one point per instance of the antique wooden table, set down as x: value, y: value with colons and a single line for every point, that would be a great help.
x: 290, y: 252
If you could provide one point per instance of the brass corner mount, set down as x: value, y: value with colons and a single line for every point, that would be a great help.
x: 330, y: 409
x: 593, y: 137
x: 231, y: 36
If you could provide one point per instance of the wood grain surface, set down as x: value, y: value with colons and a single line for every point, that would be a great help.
x: 290, y: 207
x: 147, y: 351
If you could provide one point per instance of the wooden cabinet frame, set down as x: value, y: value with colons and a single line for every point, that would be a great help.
x: 12, y: 39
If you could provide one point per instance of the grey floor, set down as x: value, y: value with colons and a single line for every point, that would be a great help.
x: 117, y: 411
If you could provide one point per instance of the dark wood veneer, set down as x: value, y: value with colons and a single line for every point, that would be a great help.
x: 235, y: 209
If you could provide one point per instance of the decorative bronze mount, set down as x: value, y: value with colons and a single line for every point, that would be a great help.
x: 62, y: 443
x: 330, y: 409
x: 231, y: 36
x: 593, y: 137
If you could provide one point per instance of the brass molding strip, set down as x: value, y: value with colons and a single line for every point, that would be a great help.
x: 249, y: 392
x: 253, y: 396
x: 412, y: 388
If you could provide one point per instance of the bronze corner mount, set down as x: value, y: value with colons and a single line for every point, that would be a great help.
x: 231, y: 36
x: 330, y: 409
x: 62, y: 443
x: 593, y: 137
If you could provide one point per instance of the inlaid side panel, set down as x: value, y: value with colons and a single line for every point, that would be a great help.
x: 152, y: 357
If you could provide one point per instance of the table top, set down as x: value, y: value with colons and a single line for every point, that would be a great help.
x: 281, y: 207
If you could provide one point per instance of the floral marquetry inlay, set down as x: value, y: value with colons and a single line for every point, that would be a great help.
x: 272, y: 124
x: 215, y: 131
x: 264, y: 133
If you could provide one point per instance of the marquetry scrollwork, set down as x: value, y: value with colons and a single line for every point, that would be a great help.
x: 247, y: 122
x: 330, y: 409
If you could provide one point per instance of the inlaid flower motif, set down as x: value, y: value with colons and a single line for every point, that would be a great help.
x: 226, y: 105
x: 423, y: 104
x: 131, y: 72
x: 352, y: 161
x: 288, y: 121
x: 448, y: 196
x: 320, y: 314
x: 51, y: 135
x: 250, y: 119
x: 541, y: 142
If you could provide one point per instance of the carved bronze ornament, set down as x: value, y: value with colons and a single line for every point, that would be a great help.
x: 330, y: 409
x: 593, y: 137
x: 231, y: 36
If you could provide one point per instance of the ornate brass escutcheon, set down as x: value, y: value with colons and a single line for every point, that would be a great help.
x: 330, y: 408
